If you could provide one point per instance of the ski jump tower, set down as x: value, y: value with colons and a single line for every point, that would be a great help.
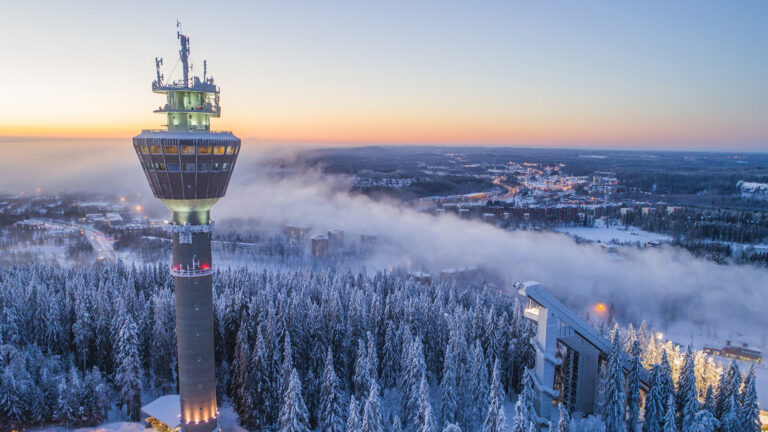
x: 188, y: 167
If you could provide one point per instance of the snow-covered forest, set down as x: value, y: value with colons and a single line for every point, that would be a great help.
x: 330, y: 351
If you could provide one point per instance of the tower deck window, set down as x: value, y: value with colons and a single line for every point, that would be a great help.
x: 173, y: 167
x: 203, y: 167
x: 204, y: 150
x: 230, y: 150
x: 171, y: 150
x: 144, y: 149
x: 189, y: 167
x: 188, y: 149
x: 155, y: 149
x: 218, y: 150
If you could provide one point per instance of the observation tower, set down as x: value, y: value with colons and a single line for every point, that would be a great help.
x: 188, y: 167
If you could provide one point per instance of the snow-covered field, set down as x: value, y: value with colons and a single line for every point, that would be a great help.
x: 616, y: 234
x: 108, y: 427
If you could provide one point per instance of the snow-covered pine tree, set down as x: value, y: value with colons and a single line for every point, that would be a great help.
x: 286, y: 367
x: 452, y: 427
x: 665, y: 378
x: 669, y: 416
x: 261, y: 397
x: 242, y: 382
x: 654, y: 402
x: 361, y: 379
x: 128, y: 368
x: 397, y: 424
x: 705, y: 421
x: 729, y: 421
x: 495, y: 420
x: 372, y: 411
x: 687, y: 394
x: 413, y: 369
x: 425, y: 421
x: 477, y: 392
x: 633, y: 385
x: 331, y: 417
x: 163, y: 353
x: 709, y: 400
x: 613, y: 392
x: 390, y: 366
x: 749, y: 410
x: 525, y: 415
x: 293, y: 414
x: 353, y: 416
x: 82, y: 330
x: 730, y: 381
x: 96, y: 404
x: 373, y: 358
x: 68, y: 406
x: 449, y: 406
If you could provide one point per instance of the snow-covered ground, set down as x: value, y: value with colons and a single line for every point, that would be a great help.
x: 616, y: 234
x: 109, y: 427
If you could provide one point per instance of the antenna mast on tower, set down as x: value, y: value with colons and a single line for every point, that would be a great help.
x: 183, y: 52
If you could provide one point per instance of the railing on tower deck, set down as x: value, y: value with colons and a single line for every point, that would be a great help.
x: 196, y: 270
x: 166, y: 131
x: 204, y: 110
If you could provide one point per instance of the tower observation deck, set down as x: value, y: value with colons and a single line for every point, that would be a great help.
x: 188, y: 168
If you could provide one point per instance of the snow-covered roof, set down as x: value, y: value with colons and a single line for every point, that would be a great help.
x: 166, y: 409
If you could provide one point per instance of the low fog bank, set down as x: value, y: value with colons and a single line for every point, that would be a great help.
x: 661, y: 285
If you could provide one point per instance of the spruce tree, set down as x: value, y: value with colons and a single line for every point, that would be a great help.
x: 452, y: 427
x: 749, y: 410
x: 478, y: 388
x: 390, y: 366
x: 669, y: 416
x: 729, y: 421
x: 709, y: 400
x: 128, y: 373
x: 613, y: 392
x: 449, y: 406
x: 372, y: 411
x: 331, y: 417
x: 412, y: 371
x: 373, y: 358
x: 705, y: 421
x: 425, y: 421
x: 242, y: 381
x: 293, y: 414
x: 654, y: 402
x: 361, y: 379
x: 633, y: 385
x: 525, y: 415
x: 262, y: 400
x: 353, y: 416
x: 687, y: 394
x: 397, y: 424
x: 495, y: 420
x: 286, y: 367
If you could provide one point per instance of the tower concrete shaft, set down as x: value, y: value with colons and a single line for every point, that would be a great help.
x: 188, y: 168
x: 192, y: 272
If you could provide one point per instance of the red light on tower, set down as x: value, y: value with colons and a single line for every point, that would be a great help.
x: 205, y: 266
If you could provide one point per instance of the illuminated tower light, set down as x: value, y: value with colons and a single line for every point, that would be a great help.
x: 188, y: 168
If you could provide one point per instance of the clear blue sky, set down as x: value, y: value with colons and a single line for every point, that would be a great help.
x: 682, y: 74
